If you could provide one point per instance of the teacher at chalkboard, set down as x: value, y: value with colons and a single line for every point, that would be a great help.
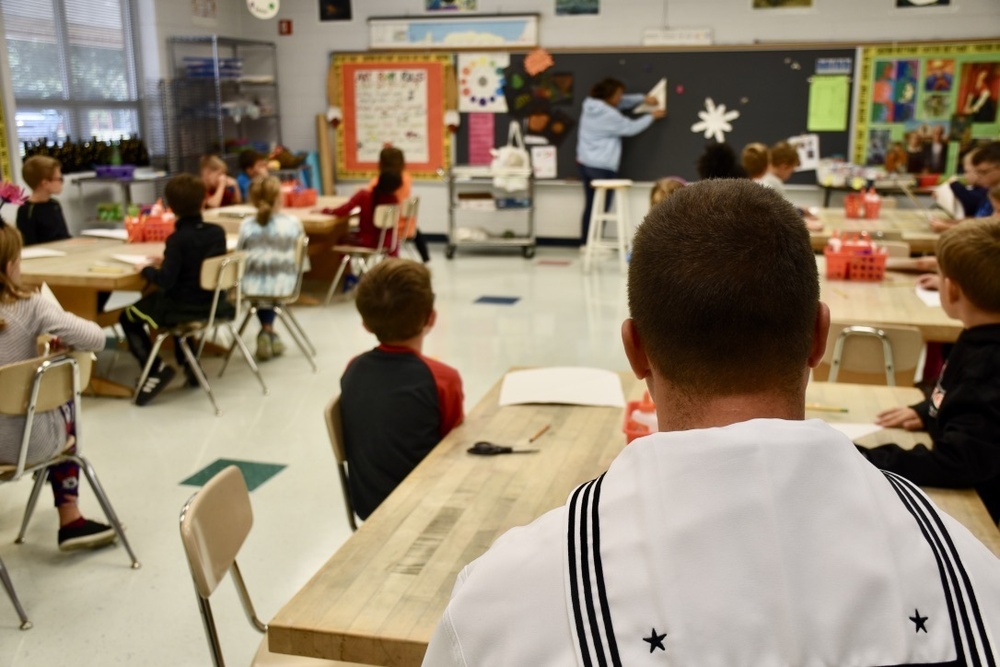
x: 599, y: 139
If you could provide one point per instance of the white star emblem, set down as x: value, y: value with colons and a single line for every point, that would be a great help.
x: 715, y: 120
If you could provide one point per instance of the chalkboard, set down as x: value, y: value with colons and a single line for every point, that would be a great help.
x: 769, y: 88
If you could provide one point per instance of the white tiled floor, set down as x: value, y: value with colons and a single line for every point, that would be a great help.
x: 92, y: 609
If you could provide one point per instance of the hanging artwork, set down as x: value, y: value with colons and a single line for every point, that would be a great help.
x: 450, y: 5
x: 715, y: 120
x: 907, y: 4
x: 334, y: 10
x: 782, y: 4
x: 571, y: 7
x: 481, y: 81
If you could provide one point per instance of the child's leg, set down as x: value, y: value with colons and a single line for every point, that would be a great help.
x: 266, y: 317
x: 421, y: 243
x: 75, y: 532
x: 134, y: 321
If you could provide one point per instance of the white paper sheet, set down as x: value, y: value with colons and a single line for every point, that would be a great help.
x: 39, y: 253
x: 116, y: 234
x: 930, y: 297
x: 134, y: 260
x: 47, y: 294
x: 563, y: 385
x: 659, y: 91
x: 855, y: 430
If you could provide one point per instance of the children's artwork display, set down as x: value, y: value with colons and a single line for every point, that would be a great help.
x: 921, y: 107
x: 392, y: 99
x: 334, y: 10
x: 481, y: 81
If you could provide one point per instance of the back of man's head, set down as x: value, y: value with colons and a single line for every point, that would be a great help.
x: 185, y: 195
x: 723, y: 290
x: 395, y: 299
x: 967, y: 254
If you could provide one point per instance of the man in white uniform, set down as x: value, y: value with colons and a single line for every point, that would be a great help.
x: 740, y: 534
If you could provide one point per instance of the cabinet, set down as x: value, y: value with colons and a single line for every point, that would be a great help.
x: 471, y: 194
x: 222, y: 98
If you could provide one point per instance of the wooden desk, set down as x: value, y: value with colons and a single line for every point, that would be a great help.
x: 379, y: 598
x: 889, y: 302
x: 906, y: 225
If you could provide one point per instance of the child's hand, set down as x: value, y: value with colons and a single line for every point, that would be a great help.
x: 929, y: 281
x: 942, y: 225
x: 902, y: 417
x: 231, y: 182
x: 925, y: 263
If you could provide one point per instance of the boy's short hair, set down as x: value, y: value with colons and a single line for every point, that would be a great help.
x: 249, y: 158
x: 783, y: 154
x: 967, y: 254
x: 755, y: 159
x: 723, y: 289
x: 987, y: 153
x: 212, y: 162
x: 38, y: 168
x: 185, y: 195
x: 395, y: 299
x: 391, y: 158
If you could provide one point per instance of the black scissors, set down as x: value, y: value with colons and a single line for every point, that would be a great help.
x: 483, y: 448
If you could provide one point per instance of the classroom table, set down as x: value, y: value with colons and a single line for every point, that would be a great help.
x: 379, y: 598
x: 907, y: 225
x: 891, y: 302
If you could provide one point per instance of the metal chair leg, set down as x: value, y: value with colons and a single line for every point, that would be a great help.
x: 239, y: 333
x: 12, y: 594
x: 249, y: 357
x: 336, y: 279
x: 293, y: 330
x: 148, y: 368
x: 302, y: 332
x: 198, y: 372
x: 109, y: 511
x: 41, y: 477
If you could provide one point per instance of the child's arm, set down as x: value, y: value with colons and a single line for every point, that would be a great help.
x: 70, y: 330
x: 166, y: 275
x: 345, y: 209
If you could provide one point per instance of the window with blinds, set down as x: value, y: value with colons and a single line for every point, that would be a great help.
x: 73, y: 68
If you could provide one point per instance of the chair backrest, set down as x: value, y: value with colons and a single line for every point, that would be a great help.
x: 214, y: 524
x: 223, y: 272
x: 896, y: 248
x: 334, y: 427
x: 386, y: 218
x: 408, y: 218
x: 52, y: 374
x: 871, y: 355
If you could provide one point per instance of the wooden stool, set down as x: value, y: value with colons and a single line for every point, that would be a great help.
x: 619, y: 214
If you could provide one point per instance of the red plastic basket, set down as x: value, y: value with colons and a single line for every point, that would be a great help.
x: 300, y: 198
x: 157, y: 230
x: 854, y: 205
x: 856, y: 260
x: 867, y: 267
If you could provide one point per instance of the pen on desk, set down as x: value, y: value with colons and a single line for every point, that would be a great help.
x: 540, y: 432
x: 838, y: 292
x: 825, y: 408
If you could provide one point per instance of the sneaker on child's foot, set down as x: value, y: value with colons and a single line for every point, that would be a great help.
x: 277, y: 345
x: 264, y: 349
x: 85, y: 534
x: 154, y: 384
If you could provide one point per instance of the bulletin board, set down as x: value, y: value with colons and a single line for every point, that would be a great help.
x: 769, y: 87
x: 921, y: 107
x: 396, y: 99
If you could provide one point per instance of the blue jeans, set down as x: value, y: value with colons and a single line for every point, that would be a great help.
x: 588, y: 174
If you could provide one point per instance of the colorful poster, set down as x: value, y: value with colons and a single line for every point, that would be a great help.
x: 450, y: 5
x: 575, y: 7
x: 395, y: 105
x: 978, y: 91
x: 481, y: 81
x: 481, y: 137
x: 828, y: 103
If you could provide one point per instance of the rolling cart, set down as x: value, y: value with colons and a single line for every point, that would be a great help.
x: 471, y: 194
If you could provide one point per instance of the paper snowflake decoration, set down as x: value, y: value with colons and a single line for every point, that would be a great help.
x: 715, y: 120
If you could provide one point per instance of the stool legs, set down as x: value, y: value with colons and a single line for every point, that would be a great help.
x: 620, y: 216
x: 596, y: 230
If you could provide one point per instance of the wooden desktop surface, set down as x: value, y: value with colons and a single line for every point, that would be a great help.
x: 892, y: 301
x: 313, y: 221
x: 899, y: 224
x: 379, y: 598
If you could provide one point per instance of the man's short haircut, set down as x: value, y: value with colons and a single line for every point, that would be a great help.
x: 783, y: 154
x: 395, y: 299
x: 987, y: 153
x: 185, y: 195
x: 755, y: 159
x: 38, y: 168
x: 967, y: 254
x: 605, y: 89
x: 248, y: 158
x: 723, y: 289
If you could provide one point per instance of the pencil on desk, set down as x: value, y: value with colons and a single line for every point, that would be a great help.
x: 840, y: 293
x: 540, y: 432
x: 825, y: 408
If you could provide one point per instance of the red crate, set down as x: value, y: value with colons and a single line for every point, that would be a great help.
x: 857, y: 259
x: 300, y: 198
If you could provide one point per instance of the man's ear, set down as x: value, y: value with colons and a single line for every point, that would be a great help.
x: 431, y: 319
x: 634, y: 350
x: 820, y: 332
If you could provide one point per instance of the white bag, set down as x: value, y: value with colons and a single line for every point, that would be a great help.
x: 511, y: 164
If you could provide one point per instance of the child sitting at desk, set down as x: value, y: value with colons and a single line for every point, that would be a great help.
x: 179, y: 296
x: 270, y: 239
x: 664, y: 187
x: 252, y: 165
x: 396, y: 404
x: 24, y: 316
x: 756, y: 158
x: 384, y: 192
x: 220, y: 189
x: 783, y: 160
x: 391, y: 158
x: 962, y: 414
x: 40, y: 219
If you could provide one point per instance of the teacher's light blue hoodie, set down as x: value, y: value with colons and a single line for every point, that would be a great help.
x: 599, y: 142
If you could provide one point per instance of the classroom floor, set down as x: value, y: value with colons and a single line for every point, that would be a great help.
x: 90, y: 608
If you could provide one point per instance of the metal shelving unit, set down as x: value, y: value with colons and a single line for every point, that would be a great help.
x: 460, y: 178
x: 222, y: 98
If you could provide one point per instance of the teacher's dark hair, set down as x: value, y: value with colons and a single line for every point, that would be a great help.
x: 723, y: 289
x: 605, y: 89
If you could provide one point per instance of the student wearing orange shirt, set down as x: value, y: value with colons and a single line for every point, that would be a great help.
x: 392, y: 159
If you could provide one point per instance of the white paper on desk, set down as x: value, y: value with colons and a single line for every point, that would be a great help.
x: 39, y: 253
x: 116, y: 234
x: 854, y: 430
x: 659, y: 91
x: 46, y: 293
x: 237, y: 211
x: 930, y: 297
x: 232, y: 242
x: 134, y: 260
x: 563, y: 385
